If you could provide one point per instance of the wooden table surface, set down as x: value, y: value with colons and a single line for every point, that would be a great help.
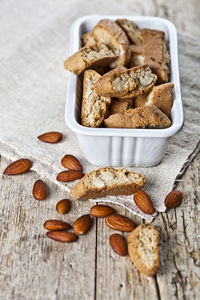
x: 34, y: 267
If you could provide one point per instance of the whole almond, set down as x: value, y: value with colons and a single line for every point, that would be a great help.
x: 119, y: 222
x: 82, y: 224
x: 39, y: 190
x: 63, y: 206
x: 143, y: 201
x: 173, y: 199
x: 71, y: 162
x: 118, y: 244
x: 101, y: 211
x: 17, y: 167
x: 56, y: 225
x: 70, y: 175
x: 51, y: 137
x: 62, y: 236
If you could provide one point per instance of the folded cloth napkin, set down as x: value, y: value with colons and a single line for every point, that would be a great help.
x: 32, y: 97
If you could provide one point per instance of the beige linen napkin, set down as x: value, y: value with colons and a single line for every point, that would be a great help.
x: 33, y: 89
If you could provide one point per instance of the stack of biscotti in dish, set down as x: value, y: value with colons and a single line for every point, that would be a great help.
x: 126, y: 73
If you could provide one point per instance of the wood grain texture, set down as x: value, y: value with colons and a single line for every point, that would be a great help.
x: 33, y: 266
x: 116, y: 276
x: 179, y: 275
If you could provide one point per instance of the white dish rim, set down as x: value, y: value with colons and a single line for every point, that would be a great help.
x: 177, y: 113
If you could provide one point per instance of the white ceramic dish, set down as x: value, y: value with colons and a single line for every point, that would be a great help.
x: 122, y: 147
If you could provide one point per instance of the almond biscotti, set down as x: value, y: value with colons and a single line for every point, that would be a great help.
x: 141, y: 117
x: 156, y: 54
x: 107, y: 181
x: 161, y: 96
x: 143, y: 249
x: 137, y: 57
x: 89, y: 57
x: 126, y: 83
x: 131, y: 30
x: 111, y: 34
x: 118, y: 106
x: 94, y: 107
x: 88, y: 39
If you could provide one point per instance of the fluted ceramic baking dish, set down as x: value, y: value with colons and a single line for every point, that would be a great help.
x: 122, y: 147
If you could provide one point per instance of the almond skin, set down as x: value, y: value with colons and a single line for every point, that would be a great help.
x: 70, y: 175
x: 51, y: 137
x: 39, y: 190
x: 17, y: 167
x: 143, y: 202
x: 63, y: 206
x: 120, y: 223
x: 82, y: 224
x: 62, y: 236
x: 101, y: 211
x: 71, y: 162
x: 118, y: 244
x: 173, y: 199
x: 56, y: 225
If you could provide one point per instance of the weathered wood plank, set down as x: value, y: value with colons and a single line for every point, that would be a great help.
x: 116, y: 276
x: 179, y: 275
x: 33, y: 266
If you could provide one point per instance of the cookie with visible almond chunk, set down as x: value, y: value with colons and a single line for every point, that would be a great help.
x: 111, y: 34
x: 132, y: 31
x: 141, y: 117
x: 107, y: 181
x: 161, y: 96
x: 89, y: 57
x: 94, y: 107
x: 143, y: 249
x: 126, y: 83
x: 88, y: 39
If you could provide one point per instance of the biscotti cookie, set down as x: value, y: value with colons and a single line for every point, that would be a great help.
x: 155, y: 53
x: 126, y: 83
x: 132, y: 31
x: 141, y: 117
x: 129, y: 100
x: 143, y: 249
x: 117, y: 106
x: 94, y: 107
x: 140, y: 100
x: 88, y: 39
x: 89, y: 57
x: 110, y: 34
x: 107, y: 181
x: 161, y: 96
x: 137, y: 57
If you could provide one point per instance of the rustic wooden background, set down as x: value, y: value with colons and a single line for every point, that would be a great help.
x: 34, y: 267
